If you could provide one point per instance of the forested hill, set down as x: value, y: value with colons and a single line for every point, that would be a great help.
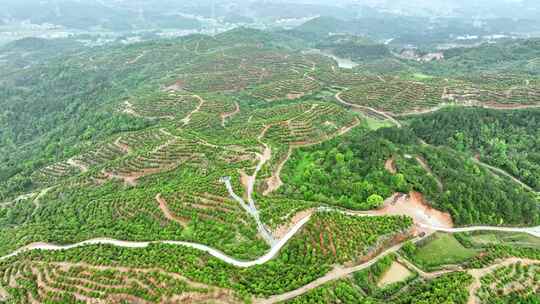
x: 507, y: 140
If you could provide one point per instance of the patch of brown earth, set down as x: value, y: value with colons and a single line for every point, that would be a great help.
x: 168, y: 214
x: 131, y: 178
x: 218, y: 296
x: 179, y: 85
x: 292, y: 96
x: 396, y: 273
x: 245, y: 181
x: 274, y: 182
x: 282, y: 230
x: 77, y: 164
x: 390, y: 165
x: 415, y: 206
x: 121, y: 145
x: 3, y: 294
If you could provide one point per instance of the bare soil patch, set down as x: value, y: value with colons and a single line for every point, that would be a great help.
x: 274, y: 182
x: 245, y: 180
x: 179, y: 85
x: 292, y: 96
x: 282, y: 230
x: 415, y: 206
x: 77, y: 164
x: 396, y: 273
x: 121, y: 146
x: 390, y: 165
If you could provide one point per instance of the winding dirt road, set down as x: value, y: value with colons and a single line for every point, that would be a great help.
x: 251, y: 208
x: 383, y: 114
x: 502, y: 172
x: 129, y: 244
x: 187, y: 119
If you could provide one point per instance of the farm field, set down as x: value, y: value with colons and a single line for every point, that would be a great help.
x: 517, y: 281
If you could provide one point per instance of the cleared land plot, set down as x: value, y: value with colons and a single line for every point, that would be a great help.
x: 442, y: 249
x: 396, y: 273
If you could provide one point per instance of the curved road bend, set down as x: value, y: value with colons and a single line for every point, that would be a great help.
x: 129, y: 244
x: 336, y: 273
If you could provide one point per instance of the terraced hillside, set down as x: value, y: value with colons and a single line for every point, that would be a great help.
x: 245, y: 168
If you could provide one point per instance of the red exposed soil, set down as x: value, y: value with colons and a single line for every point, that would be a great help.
x: 282, y: 230
x: 121, y: 146
x: 179, y: 85
x: 415, y: 206
x: 292, y: 96
x: 274, y: 182
x: 167, y: 213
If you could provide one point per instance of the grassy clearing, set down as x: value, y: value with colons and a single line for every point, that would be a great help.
x: 481, y: 239
x: 374, y: 124
x: 421, y: 76
x: 442, y: 249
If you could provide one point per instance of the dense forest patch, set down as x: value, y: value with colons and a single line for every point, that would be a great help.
x: 351, y: 173
x: 509, y: 140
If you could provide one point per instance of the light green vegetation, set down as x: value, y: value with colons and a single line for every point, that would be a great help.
x: 421, y: 76
x: 505, y: 238
x: 441, y: 249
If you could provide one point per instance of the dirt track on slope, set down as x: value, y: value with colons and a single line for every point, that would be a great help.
x: 187, y: 119
x: 274, y: 182
x: 224, y: 116
x: 167, y: 213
